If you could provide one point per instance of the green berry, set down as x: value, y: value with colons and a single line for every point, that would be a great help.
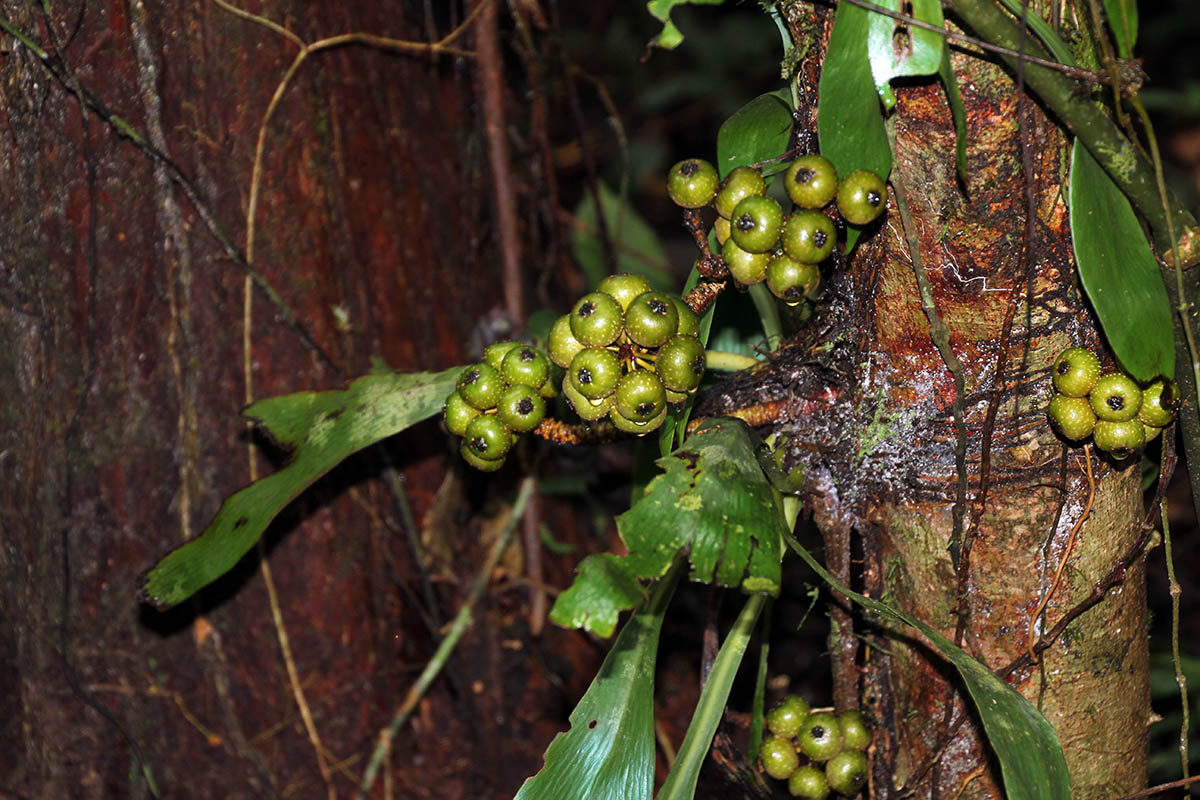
x: 1151, y: 432
x: 692, y: 183
x: 651, y: 319
x: 680, y: 363
x: 808, y: 236
x: 1160, y: 401
x: 847, y: 772
x: 740, y: 183
x: 493, y: 354
x: 1075, y: 371
x: 1115, y: 397
x: 521, y: 408
x: 674, y: 397
x: 594, y: 372
x: 550, y: 387
x: 820, y: 737
x: 809, y: 782
x: 861, y: 197
x: 488, y: 437
x: 786, y: 718
x: 588, y: 410
x: 1071, y: 416
x: 561, y: 343
x: 855, y: 733
x: 638, y: 428
x: 1119, y: 439
x: 525, y: 365
x: 596, y: 319
x: 640, y: 396
x: 482, y: 464
x: 811, y: 181
x: 480, y: 385
x: 791, y: 280
x: 778, y: 757
x: 746, y: 268
x: 623, y: 287
x: 689, y: 321
x: 756, y: 223
x: 721, y: 230
x: 458, y: 413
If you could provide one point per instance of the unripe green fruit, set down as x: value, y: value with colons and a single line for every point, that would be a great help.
x: 651, y: 319
x: 721, y: 230
x: 674, y: 397
x: 855, y: 733
x: 525, y: 365
x: 1151, y: 432
x: 791, y: 280
x: 756, y: 223
x: 820, y: 737
x: 847, y: 772
x: 1160, y: 401
x: 637, y: 428
x: 1115, y: 397
x: 623, y: 287
x: 786, y: 718
x: 778, y: 757
x: 521, y: 408
x: 458, y: 413
x: 740, y: 183
x: 493, y: 354
x: 488, y: 437
x: 680, y: 363
x: 808, y: 236
x: 550, y: 387
x: 861, y: 197
x: 1119, y: 439
x: 588, y: 410
x: 691, y: 183
x: 596, y: 319
x: 811, y: 181
x: 480, y: 385
x: 689, y: 321
x: 640, y: 396
x: 594, y: 372
x: 746, y: 268
x: 561, y: 343
x: 1075, y: 371
x: 1071, y: 416
x: 809, y: 782
x: 481, y: 464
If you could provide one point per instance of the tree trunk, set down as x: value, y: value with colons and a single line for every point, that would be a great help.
x: 888, y: 485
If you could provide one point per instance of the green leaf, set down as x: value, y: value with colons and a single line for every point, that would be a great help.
x: 1119, y: 272
x: 1031, y: 758
x: 324, y: 428
x: 849, y: 122
x: 638, y: 248
x: 681, y: 782
x: 958, y: 113
x: 920, y: 55
x: 1123, y: 19
x: 713, y: 502
x: 608, y: 752
x: 670, y: 37
x: 758, y: 131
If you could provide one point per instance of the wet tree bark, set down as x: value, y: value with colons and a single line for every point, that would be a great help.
x: 870, y: 403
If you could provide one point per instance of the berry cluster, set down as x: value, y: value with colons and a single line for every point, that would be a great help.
x: 1119, y: 415
x: 497, y: 399
x: 628, y: 352
x: 758, y: 242
x: 837, y: 741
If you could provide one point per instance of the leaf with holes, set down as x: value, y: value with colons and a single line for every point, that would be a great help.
x: 756, y: 132
x: 1119, y: 272
x: 324, y: 428
x: 670, y: 37
x: 849, y: 120
x: 920, y: 52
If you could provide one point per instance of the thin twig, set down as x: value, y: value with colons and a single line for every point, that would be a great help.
x: 457, y: 629
x: 1180, y: 678
x: 1162, y: 787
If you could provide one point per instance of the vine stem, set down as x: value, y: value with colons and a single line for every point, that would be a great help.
x: 461, y: 623
x: 1180, y: 678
